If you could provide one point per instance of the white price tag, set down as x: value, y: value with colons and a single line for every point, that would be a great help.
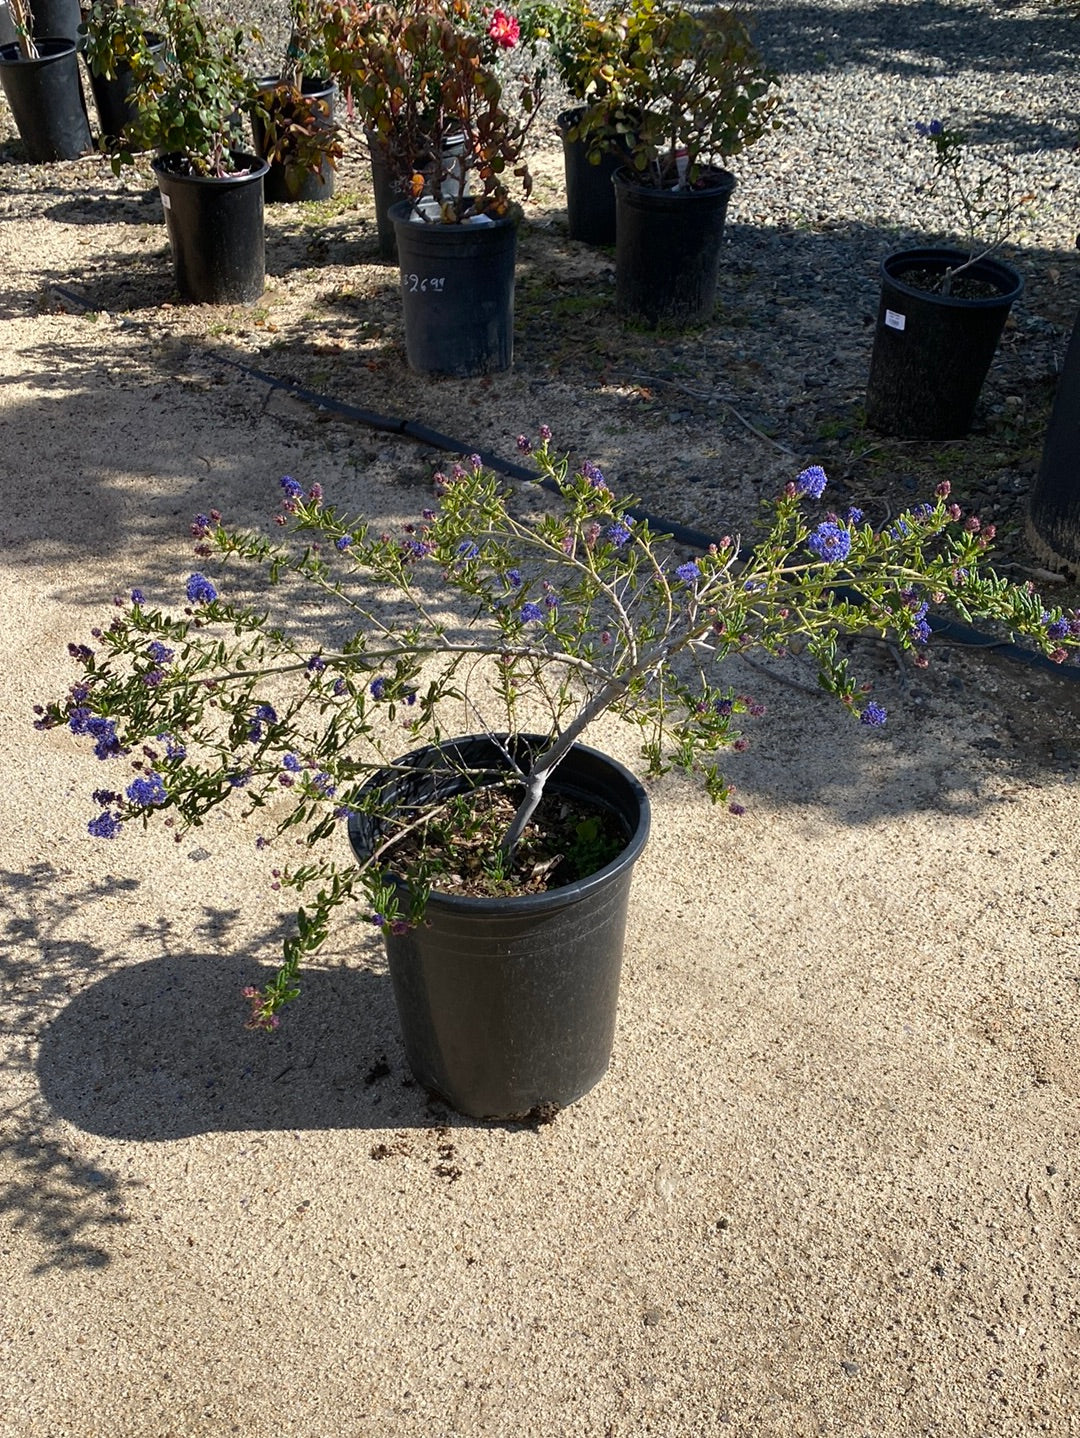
x: 166, y: 203
x: 895, y: 321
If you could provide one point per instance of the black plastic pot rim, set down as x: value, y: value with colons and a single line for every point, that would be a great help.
x: 995, y: 272
x: 249, y: 167
x: 401, y: 211
x: 317, y: 87
x: 154, y: 42
x: 50, y: 47
x: 521, y: 905
x: 630, y: 181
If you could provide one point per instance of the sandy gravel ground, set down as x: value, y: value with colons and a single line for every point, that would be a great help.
x: 829, y: 1185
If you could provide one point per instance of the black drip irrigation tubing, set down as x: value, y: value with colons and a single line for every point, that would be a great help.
x: 951, y: 631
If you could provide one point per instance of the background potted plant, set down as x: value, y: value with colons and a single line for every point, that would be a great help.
x: 188, y: 105
x: 942, y: 311
x: 585, y: 50
x: 40, y: 80
x: 496, y: 865
x: 119, y: 53
x: 52, y: 19
x: 425, y: 81
x: 688, y: 91
x: 388, y: 61
x: 292, y: 114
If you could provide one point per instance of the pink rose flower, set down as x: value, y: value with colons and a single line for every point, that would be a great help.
x: 504, y: 30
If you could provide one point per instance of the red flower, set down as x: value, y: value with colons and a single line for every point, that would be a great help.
x: 504, y: 30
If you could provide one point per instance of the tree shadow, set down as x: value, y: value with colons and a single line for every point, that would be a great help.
x: 73, y: 1209
x: 931, y: 37
x: 107, y: 207
x: 157, y: 1051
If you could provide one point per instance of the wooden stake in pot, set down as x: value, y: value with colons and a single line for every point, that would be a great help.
x: 22, y: 17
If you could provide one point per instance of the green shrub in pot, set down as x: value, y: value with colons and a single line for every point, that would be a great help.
x: 189, y: 100
x: 297, y: 126
x: 424, y: 79
x: 513, y: 610
x: 685, y: 89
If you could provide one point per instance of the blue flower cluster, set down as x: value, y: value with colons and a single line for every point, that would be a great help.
x: 874, y: 715
x: 200, y: 590
x: 148, y: 791
x: 105, y: 826
x: 264, y: 714
x: 1056, y: 628
x: 920, y: 625
x: 811, y: 482
x: 293, y: 488
x: 174, y: 749
x: 830, y: 541
x: 689, y: 572
x: 102, y: 731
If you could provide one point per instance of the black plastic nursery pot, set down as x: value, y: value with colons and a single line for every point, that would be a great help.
x: 667, y: 248
x: 46, y: 100
x: 932, y: 351
x: 457, y: 284
x: 215, y: 229
x: 59, y: 19
x: 114, y: 95
x: 590, y: 198
x: 385, y: 193
x: 1054, y: 513
x: 288, y: 183
x: 508, y: 1005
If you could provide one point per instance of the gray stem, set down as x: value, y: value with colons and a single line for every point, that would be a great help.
x: 542, y: 769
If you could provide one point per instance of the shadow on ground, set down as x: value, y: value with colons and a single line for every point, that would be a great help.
x: 157, y: 1051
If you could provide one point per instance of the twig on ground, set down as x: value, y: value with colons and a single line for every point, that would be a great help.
x: 782, y: 678
x: 1044, y: 576
x: 898, y: 659
x: 709, y: 394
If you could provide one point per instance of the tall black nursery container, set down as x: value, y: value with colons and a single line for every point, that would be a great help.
x: 287, y: 182
x: 508, y: 1005
x: 46, y: 100
x: 457, y: 286
x: 1054, y: 514
x: 114, y: 95
x: 58, y: 19
x: 216, y: 230
x: 932, y: 351
x: 667, y: 248
x: 590, y: 199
